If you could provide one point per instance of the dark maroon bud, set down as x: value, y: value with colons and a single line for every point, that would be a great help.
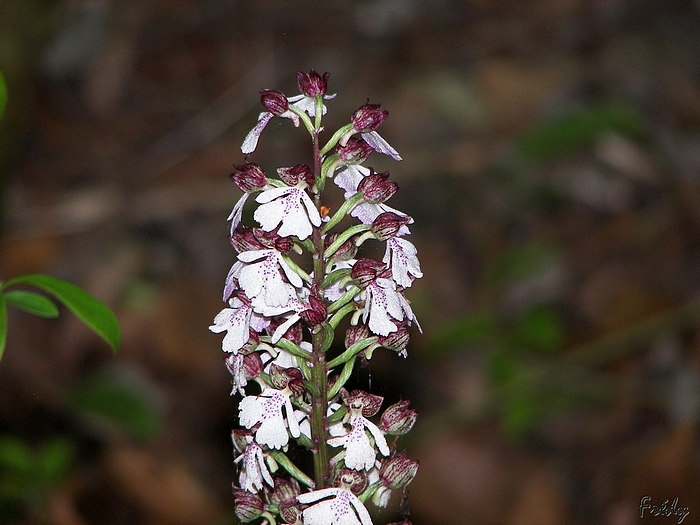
x: 290, y: 512
x: 249, y: 177
x: 366, y: 271
x: 282, y: 378
x: 369, y: 403
x: 398, y: 419
x: 272, y: 240
x: 274, y: 101
x: 397, y: 471
x: 243, y: 240
x: 240, y: 439
x: 398, y: 340
x: 376, y: 188
x: 368, y: 118
x: 317, y: 312
x: 285, y: 491
x: 294, y: 174
x: 311, y: 83
x: 356, y: 151
x: 388, y: 224
x: 247, y: 506
x: 252, y: 365
x: 355, y: 334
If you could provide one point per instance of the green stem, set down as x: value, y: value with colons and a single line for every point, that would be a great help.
x: 319, y: 371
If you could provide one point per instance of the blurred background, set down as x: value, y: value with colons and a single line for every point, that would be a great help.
x: 551, y: 163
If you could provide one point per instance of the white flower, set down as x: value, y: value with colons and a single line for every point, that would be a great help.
x: 290, y: 206
x: 266, y: 409
x: 262, y: 281
x: 236, y: 322
x: 401, y: 256
x: 343, y: 507
x: 359, y: 452
x: 254, y: 470
x: 384, y: 303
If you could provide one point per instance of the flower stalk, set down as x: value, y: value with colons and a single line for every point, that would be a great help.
x: 283, y: 313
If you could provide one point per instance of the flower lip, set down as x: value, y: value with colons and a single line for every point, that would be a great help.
x: 274, y: 101
x: 368, y: 117
x: 311, y: 83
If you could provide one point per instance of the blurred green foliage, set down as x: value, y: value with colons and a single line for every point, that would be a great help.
x: 28, y: 474
x: 110, y: 404
x: 577, y: 130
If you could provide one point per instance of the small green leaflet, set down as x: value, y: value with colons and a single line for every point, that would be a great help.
x: 32, y: 302
x: 89, y: 310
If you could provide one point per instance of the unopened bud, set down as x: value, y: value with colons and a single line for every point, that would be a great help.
x: 368, y: 118
x: 398, y: 419
x: 398, y: 471
x: 311, y: 83
x: 292, y: 175
x: 366, y: 271
x: 347, y: 250
x: 317, y: 311
x: 285, y: 491
x: 240, y: 439
x: 247, y: 506
x: 355, y: 334
x: 274, y: 101
x: 243, y: 240
x: 376, y: 188
x: 356, y: 151
x: 387, y: 225
x: 249, y: 177
x: 397, y: 340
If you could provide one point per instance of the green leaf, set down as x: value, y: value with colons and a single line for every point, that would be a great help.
x: 32, y: 302
x: 92, y: 312
x: 3, y: 95
x: 3, y: 323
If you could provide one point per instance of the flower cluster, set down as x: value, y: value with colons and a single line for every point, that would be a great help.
x: 295, y: 280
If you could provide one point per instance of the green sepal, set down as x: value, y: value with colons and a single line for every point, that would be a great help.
x: 328, y: 335
x: 346, y: 208
x: 333, y: 277
x: 338, y: 316
x: 294, y: 349
x: 291, y: 468
x: 338, y: 415
x: 346, y: 298
x: 343, y: 237
x: 32, y: 303
x: 87, y: 308
x: 304, y: 118
x: 342, y: 378
x: 352, y: 351
x: 335, y: 138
